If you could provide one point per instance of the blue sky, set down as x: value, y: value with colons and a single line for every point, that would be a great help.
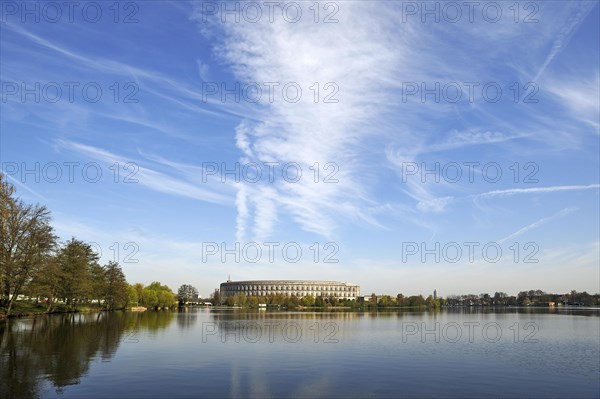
x: 375, y: 127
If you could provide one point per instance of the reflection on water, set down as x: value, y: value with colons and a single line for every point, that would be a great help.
x: 59, y: 348
x: 460, y: 352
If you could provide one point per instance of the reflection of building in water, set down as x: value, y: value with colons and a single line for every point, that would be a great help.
x: 299, y: 288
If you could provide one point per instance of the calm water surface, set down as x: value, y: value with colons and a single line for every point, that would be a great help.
x: 232, y: 353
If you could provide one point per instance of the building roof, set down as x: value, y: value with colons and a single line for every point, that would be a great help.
x: 253, y: 282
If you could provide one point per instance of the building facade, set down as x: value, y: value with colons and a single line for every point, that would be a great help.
x: 299, y: 288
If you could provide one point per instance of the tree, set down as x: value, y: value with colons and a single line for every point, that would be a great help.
x: 500, y: 298
x: 78, y: 263
x: 8, y: 207
x: 308, y: 300
x: 242, y: 299
x: 97, y: 283
x: 400, y: 300
x: 292, y: 301
x: 47, y: 281
x: 139, y: 289
x: 187, y: 293
x: 156, y: 295
x: 384, y: 301
x: 432, y: 303
x: 230, y: 301
x: 150, y: 298
x: 215, y: 297
x: 166, y: 299
x: 26, y: 239
x: 319, y: 302
x: 416, y: 301
x: 116, y: 289
x: 485, y: 299
x: 253, y: 302
x: 132, y: 296
x: 333, y: 301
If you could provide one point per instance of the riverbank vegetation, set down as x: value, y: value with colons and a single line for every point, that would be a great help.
x: 293, y: 302
x: 499, y: 299
x: 40, y: 275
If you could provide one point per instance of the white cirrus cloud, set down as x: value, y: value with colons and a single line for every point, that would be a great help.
x: 355, y: 62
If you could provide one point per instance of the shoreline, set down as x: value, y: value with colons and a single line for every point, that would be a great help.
x: 137, y: 309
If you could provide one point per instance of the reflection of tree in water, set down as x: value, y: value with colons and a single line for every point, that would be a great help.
x: 59, y: 348
x: 151, y: 322
x: 186, y: 318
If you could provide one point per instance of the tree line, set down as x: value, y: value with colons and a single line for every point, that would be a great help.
x: 62, y: 276
x: 524, y: 298
x: 285, y: 301
x: 293, y: 302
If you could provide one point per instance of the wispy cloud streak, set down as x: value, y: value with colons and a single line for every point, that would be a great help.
x: 537, y: 224
x: 158, y: 181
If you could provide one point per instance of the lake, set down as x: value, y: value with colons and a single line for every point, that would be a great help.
x: 528, y: 353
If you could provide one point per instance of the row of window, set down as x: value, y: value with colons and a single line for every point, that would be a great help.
x: 297, y: 293
x: 296, y: 288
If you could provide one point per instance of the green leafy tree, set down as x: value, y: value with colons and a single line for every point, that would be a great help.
x: 47, y: 282
x: 385, y: 301
x: 139, y: 289
x: 242, y: 299
x: 252, y: 302
x: 116, y: 289
x: 319, y: 302
x: 308, y: 300
x: 157, y: 296
x: 416, y: 301
x: 97, y: 284
x: 432, y: 303
x: 132, y: 296
x: 292, y: 301
x: 230, y: 301
x: 187, y: 293
x: 78, y: 263
x: 149, y: 298
x: 166, y: 299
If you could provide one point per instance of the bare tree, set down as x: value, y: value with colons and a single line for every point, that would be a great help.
x: 26, y: 240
